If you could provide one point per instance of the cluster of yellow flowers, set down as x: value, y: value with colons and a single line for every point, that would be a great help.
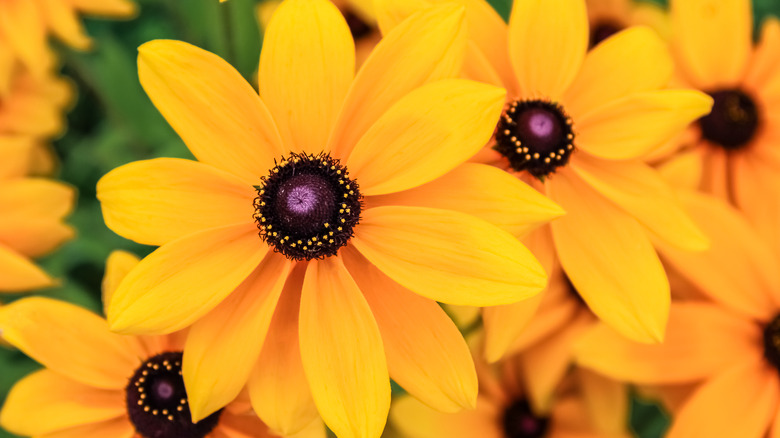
x: 590, y: 191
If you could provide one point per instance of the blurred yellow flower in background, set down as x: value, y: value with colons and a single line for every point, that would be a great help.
x: 608, y: 17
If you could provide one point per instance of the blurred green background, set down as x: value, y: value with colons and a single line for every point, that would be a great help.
x: 112, y: 123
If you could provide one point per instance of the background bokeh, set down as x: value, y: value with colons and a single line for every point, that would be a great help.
x: 112, y: 122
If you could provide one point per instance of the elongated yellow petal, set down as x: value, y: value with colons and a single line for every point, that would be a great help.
x: 213, y: 109
x: 117, y: 428
x: 306, y: 67
x: 63, y: 21
x: 631, y: 61
x: 39, y: 197
x: 636, y: 125
x: 426, y: 353
x: 71, y: 341
x: 45, y: 402
x: 106, y: 8
x: 347, y: 372
x: 118, y: 264
x: 398, y: 65
x: 15, y: 156
x: 485, y: 192
x: 763, y: 66
x: 712, y: 39
x: 23, y: 27
x: 607, y: 401
x: 18, y: 273
x: 741, y: 401
x: 448, y: 256
x: 547, y: 43
x: 426, y: 134
x: 156, y: 201
x: 183, y: 280
x: 632, y: 296
x: 223, y: 346
x: 640, y: 191
x: 33, y: 236
x: 278, y: 387
x: 702, y: 340
x: 415, y: 420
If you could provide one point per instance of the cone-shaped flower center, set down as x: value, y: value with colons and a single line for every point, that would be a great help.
x: 157, y: 402
x: 521, y: 422
x: 307, y: 207
x: 536, y: 136
x: 733, y: 121
x: 603, y: 30
x: 772, y: 342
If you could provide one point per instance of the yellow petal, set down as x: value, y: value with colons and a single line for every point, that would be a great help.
x: 106, y: 8
x: 118, y: 264
x: 557, y: 309
x: 45, y: 402
x: 606, y: 400
x: 347, y: 373
x: 415, y: 420
x: 633, y: 60
x: 712, y: 40
x: 36, y: 197
x: 71, y: 341
x: 448, y: 256
x: 156, y: 201
x: 739, y: 270
x: 426, y: 353
x: 639, y: 190
x: 23, y: 27
x: 223, y: 346
x: 18, y: 273
x: 33, y: 236
x: 391, y: 13
x: 425, y: 135
x: 490, y: 34
x: 485, y: 192
x: 763, y: 66
x: 15, y: 156
x: 183, y: 280
x: 278, y: 387
x: 118, y: 428
x: 63, y: 21
x: 632, y: 296
x: 212, y: 108
x: 633, y: 126
x: 547, y: 43
x: 739, y: 402
x: 398, y: 65
x: 306, y: 67
x: 701, y: 340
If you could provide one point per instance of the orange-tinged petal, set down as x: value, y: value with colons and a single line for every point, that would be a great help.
x: 712, y: 40
x: 448, y: 256
x: 15, y: 156
x: 63, y: 21
x: 106, y: 8
x: 45, y: 401
x: 490, y: 34
x: 342, y: 352
x: 183, y: 280
x: 775, y: 429
x: 425, y: 134
x: 636, y: 125
x: 306, y: 67
x: 606, y: 400
x: 398, y: 65
x: 117, y: 428
x: 213, y: 109
x: 278, y: 387
x: 71, y: 341
x: 633, y: 60
x: 701, y: 341
x: 33, y: 236
x: 426, y: 353
x: 547, y: 43
x: 30, y: 113
x: 739, y: 402
x: 764, y: 65
x: 232, y: 333
x: 641, y: 192
x: 632, y: 296
x: 18, y: 273
x: 557, y: 309
x: 22, y: 25
x: 503, y: 324
x: 156, y: 201
x: 416, y: 420
x: 485, y: 192
x: 240, y: 426
x: 118, y: 264
x: 33, y: 197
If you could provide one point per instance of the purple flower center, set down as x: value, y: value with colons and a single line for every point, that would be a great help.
x: 521, y: 422
x: 305, y: 202
x: 733, y: 121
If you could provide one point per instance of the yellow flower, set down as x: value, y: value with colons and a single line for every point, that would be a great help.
x: 608, y: 17
x: 32, y: 221
x: 26, y: 24
x: 100, y: 384
x: 587, y: 405
x: 728, y: 346
x: 317, y: 162
x: 577, y: 125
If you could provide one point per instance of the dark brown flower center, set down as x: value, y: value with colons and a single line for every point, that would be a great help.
x: 521, y: 422
x: 733, y: 121
x: 307, y: 207
x: 157, y: 401
x: 357, y: 25
x: 772, y: 342
x: 536, y: 136
x: 602, y: 30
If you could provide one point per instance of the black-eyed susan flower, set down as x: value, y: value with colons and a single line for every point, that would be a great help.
x: 97, y: 384
x: 25, y: 26
x: 32, y: 219
x: 577, y: 124
x: 729, y: 345
x: 339, y: 268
